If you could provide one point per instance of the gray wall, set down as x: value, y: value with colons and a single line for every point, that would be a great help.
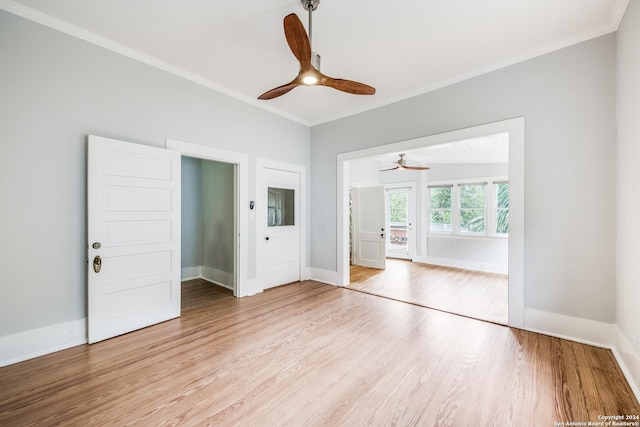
x: 218, y: 209
x: 568, y: 98
x: 191, y: 230
x: 56, y: 89
x: 628, y: 245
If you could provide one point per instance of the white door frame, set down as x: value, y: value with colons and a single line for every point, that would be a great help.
x: 515, y: 127
x: 261, y: 227
x: 241, y: 287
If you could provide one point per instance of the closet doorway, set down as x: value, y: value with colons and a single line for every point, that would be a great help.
x: 214, y: 229
x: 209, y: 232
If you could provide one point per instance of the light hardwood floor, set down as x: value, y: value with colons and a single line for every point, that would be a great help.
x: 309, y: 354
x: 473, y: 294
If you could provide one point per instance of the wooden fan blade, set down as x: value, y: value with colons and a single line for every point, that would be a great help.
x: 390, y: 169
x: 298, y: 40
x: 348, y: 86
x: 417, y: 168
x: 280, y: 90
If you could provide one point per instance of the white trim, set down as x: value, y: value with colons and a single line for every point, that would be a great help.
x: 261, y: 164
x: 628, y: 359
x: 190, y: 273
x: 467, y: 265
x: 324, y: 276
x: 217, y: 277
x: 242, y: 188
x: 515, y: 127
x: 29, y: 344
x: 570, y: 328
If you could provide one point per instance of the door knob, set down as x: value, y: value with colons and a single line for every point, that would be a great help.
x: 266, y: 238
x: 97, y: 264
x: 382, y: 235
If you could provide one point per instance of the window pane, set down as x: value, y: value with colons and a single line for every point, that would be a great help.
x: 280, y: 207
x: 398, y: 207
x: 502, y: 195
x: 502, y: 221
x: 441, y: 198
x: 472, y: 196
x: 440, y: 220
x: 472, y: 220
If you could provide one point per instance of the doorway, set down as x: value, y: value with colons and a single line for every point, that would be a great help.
x: 208, y: 222
x: 515, y: 130
x: 237, y: 254
x: 400, y: 217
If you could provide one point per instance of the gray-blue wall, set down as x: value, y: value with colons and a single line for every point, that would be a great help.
x: 54, y: 90
x: 568, y: 99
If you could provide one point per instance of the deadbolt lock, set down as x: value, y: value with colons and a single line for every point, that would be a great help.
x: 96, y: 245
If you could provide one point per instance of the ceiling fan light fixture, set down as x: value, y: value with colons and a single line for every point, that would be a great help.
x: 310, y: 79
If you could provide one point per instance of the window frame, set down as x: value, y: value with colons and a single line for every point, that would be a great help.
x: 490, y: 207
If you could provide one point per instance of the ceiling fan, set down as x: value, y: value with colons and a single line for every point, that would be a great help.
x: 401, y: 163
x: 309, y: 74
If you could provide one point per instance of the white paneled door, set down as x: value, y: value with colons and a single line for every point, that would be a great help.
x: 133, y: 197
x: 368, y: 226
x: 281, y: 218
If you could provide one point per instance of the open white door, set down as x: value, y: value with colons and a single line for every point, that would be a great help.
x: 368, y: 226
x: 133, y: 197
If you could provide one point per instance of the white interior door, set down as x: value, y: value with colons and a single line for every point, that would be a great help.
x: 281, y: 225
x: 400, y: 220
x: 369, y: 227
x: 133, y: 196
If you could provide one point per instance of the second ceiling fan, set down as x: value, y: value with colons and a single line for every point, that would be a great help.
x: 309, y: 74
x: 401, y: 163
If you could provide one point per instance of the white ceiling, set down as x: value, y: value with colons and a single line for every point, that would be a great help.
x: 491, y: 149
x: 402, y: 48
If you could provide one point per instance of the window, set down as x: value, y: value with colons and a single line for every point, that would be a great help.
x: 440, y: 208
x: 502, y: 208
x: 473, y: 211
x: 280, y: 204
x: 470, y: 208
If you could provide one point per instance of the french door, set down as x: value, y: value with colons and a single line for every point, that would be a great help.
x: 400, y: 220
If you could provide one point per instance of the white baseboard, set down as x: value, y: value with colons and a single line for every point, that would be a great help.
x: 466, y: 265
x: 325, y: 276
x: 628, y: 359
x: 213, y: 275
x: 26, y: 345
x: 584, y: 331
x: 190, y: 273
x: 219, y: 277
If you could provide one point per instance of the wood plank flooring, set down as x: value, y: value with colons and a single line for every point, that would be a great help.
x: 309, y: 354
x: 473, y: 294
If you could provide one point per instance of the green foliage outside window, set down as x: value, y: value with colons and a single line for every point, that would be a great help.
x: 441, y: 207
x: 472, y: 208
x: 502, y: 213
x: 398, y: 207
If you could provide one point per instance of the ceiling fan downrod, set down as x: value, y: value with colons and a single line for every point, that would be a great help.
x: 310, y: 6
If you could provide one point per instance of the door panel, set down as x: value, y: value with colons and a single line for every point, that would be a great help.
x: 281, y: 224
x: 369, y: 228
x: 133, y: 198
